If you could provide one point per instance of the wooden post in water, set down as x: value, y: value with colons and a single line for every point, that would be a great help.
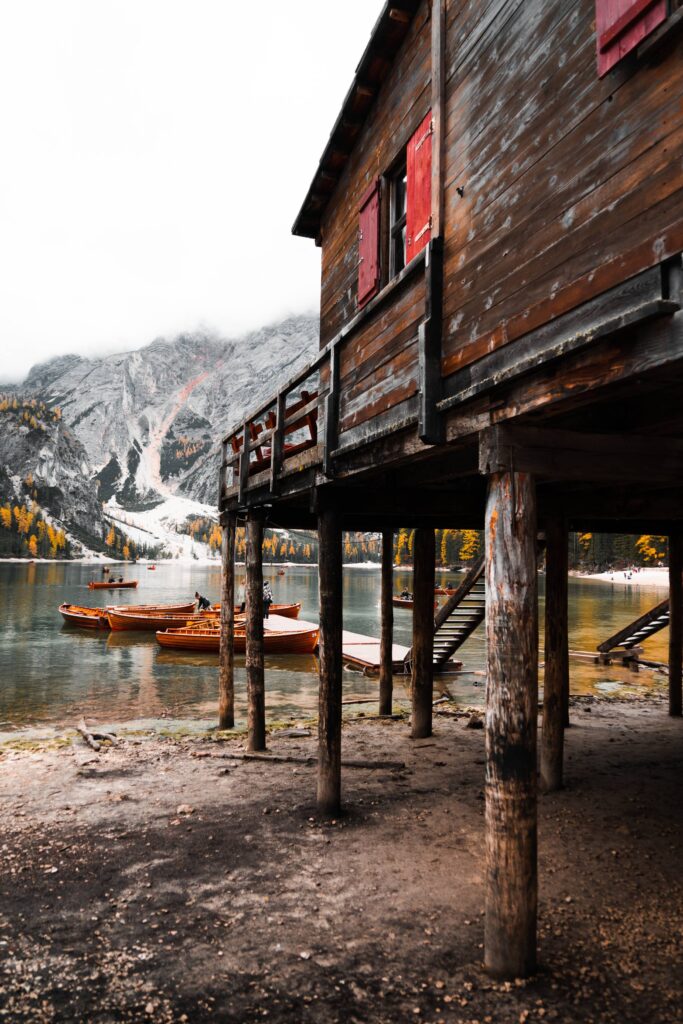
x: 422, y: 682
x: 675, y: 624
x: 511, y: 714
x: 386, y: 675
x: 330, y: 658
x: 556, y: 679
x: 226, y: 661
x: 256, y: 702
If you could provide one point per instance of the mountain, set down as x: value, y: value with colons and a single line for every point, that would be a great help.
x: 140, y: 431
x: 151, y: 420
x: 42, y: 461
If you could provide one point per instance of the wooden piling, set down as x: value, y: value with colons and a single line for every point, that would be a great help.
x: 556, y: 678
x: 226, y: 658
x: 386, y: 677
x: 676, y: 624
x: 422, y: 682
x: 330, y: 659
x: 511, y: 714
x: 256, y: 704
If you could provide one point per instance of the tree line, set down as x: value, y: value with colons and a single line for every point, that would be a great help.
x: 24, y: 533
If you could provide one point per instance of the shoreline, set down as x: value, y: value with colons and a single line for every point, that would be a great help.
x: 121, y: 863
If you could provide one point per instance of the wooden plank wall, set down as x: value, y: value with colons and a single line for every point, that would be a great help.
x: 403, y: 101
x: 571, y: 184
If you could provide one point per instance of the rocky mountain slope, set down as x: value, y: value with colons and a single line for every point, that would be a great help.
x: 150, y: 420
x: 42, y: 461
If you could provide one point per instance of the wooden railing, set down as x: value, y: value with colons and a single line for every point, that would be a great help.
x: 305, y: 413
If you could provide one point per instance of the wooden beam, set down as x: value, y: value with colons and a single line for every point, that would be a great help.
x: 256, y: 703
x: 556, y: 676
x: 386, y: 674
x: 676, y: 624
x: 571, y: 455
x: 511, y: 714
x: 330, y: 657
x: 422, y: 680
x: 430, y: 427
x: 226, y: 657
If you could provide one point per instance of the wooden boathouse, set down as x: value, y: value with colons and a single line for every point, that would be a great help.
x: 499, y: 210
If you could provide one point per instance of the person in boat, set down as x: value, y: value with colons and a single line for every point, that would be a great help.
x: 203, y: 603
x: 120, y: 579
x: 267, y: 598
x: 406, y: 595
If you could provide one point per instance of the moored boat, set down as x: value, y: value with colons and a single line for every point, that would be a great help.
x: 289, y: 611
x: 404, y: 602
x: 121, y: 619
x: 87, y: 618
x: 195, y: 638
x: 185, y: 607
x: 112, y: 585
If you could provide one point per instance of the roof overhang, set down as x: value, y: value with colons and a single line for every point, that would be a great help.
x: 387, y: 36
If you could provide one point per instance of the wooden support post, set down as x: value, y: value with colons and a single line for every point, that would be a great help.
x: 330, y: 657
x: 422, y: 683
x: 256, y: 703
x: 556, y: 680
x: 676, y: 624
x: 386, y: 661
x: 226, y: 660
x: 511, y: 714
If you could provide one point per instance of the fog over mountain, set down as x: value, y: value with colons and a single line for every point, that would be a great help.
x: 150, y: 421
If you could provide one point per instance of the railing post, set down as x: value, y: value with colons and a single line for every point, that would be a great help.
x: 277, y: 447
x: 244, y: 463
x: 332, y: 412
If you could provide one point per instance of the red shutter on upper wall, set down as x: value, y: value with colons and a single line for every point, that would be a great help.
x: 620, y: 25
x: 419, y: 189
x: 368, y: 245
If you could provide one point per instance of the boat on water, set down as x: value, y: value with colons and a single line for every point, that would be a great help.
x: 404, y: 602
x: 289, y: 611
x: 112, y: 585
x: 121, y: 619
x: 197, y: 638
x: 87, y: 618
x: 186, y: 607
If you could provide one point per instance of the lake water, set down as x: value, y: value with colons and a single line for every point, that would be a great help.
x: 52, y: 674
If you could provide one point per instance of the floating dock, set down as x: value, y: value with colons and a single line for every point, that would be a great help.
x: 357, y: 649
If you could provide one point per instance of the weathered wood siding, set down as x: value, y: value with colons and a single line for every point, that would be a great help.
x: 403, y: 101
x: 378, y: 367
x: 571, y: 183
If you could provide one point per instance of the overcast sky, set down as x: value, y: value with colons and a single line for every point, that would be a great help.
x: 154, y: 156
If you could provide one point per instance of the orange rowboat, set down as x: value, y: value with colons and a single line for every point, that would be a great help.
x: 186, y: 608
x: 289, y: 611
x: 301, y: 641
x: 122, y: 619
x: 404, y: 602
x: 96, y: 585
x: 87, y: 618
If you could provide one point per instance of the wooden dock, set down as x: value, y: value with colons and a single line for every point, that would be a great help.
x: 357, y: 649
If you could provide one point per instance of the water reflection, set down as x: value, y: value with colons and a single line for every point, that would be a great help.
x: 53, y: 674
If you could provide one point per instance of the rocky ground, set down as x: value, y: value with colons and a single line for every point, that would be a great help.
x: 165, y: 880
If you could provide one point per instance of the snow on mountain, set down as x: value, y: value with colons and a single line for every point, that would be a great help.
x: 151, y: 420
x: 165, y: 525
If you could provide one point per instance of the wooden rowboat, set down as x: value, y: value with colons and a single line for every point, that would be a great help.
x: 87, y: 618
x: 404, y: 602
x: 288, y: 611
x: 301, y: 641
x: 121, y: 619
x: 186, y: 608
x: 111, y: 585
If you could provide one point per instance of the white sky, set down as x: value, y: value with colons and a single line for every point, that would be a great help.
x: 155, y: 154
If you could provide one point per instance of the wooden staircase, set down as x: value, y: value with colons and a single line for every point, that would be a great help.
x: 458, y: 618
x: 638, y: 630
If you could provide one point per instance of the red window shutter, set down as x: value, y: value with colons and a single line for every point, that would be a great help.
x: 620, y: 25
x: 368, y: 245
x: 419, y: 189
